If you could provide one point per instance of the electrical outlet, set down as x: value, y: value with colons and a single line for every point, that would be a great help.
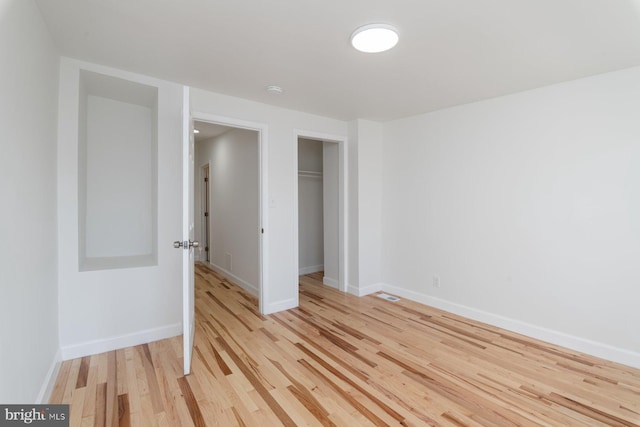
x: 436, y: 281
x: 229, y: 262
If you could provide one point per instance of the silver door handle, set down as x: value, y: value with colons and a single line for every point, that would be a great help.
x: 187, y: 244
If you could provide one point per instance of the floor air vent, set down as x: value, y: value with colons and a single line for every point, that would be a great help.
x: 388, y: 297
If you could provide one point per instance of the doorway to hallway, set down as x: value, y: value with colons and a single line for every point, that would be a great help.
x: 228, y: 219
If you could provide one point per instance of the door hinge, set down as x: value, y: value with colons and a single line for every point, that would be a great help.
x: 206, y: 248
x: 206, y: 214
x: 262, y: 230
x: 206, y: 180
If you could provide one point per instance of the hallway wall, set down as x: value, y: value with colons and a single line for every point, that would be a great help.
x: 234, y: 186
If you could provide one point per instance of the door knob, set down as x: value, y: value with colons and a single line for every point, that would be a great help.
x: 187, y: 244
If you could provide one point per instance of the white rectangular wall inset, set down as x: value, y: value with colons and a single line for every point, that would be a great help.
x: 118, y: 166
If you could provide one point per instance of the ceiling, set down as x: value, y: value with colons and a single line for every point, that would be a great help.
x: 208, y: 130
x: 450, y: 52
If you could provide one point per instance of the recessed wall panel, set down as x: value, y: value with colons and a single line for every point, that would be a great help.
x: 117, y: 156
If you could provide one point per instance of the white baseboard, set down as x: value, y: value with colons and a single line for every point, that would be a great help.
x: 364, y: 290
x: 280, y: 305
x: 331, y: 282
x: 114, y: 343
x: 50, y: 379
x: 308, y: 270
x: 252, y: 289
x: 583, y: 345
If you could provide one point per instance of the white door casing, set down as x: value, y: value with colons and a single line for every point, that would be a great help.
x: 188, y: 291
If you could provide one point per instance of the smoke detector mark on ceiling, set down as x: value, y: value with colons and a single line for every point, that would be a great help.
x: 275, y: 90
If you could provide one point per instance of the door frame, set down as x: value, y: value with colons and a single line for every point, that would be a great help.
x: 261, y: 129
x: 205, y: 206
x: 342, y: 201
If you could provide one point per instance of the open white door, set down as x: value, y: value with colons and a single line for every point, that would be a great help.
x: 187, y: 244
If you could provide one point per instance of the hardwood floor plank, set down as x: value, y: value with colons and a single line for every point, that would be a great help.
x: 91, y: 388
x: 121, y: 372
x: 72, y: 379
x: 83, y: 372
x: 344, y: 394
x: 76, y: 407
x: 111, y: 390
x: 132, y: 384
x: 100, y: 405
x: 167, y: 370
x: 238, y: 418
x: 335, y: 372
x: 152, y: 380
x: 57, y: 395
x: 124, y: 414
x: 339, y: 360
x: 305, y: 397
x: 309, y: 340
x: 192, y: 404
x: 258, y: 386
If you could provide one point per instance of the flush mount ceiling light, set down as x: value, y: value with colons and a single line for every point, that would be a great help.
x: 196, y: 131
x: 374, y: 38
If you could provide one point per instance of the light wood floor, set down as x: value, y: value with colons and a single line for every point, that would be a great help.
x: 338, y: 360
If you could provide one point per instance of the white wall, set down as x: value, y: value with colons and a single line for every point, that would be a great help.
x: 527, y: 207
x: 365, y: 198
x: 353, y: 268
x: 369, y: 204
x: 310, y: 207
x: 331, y: 210
x: 281, y: 275
x: 310, y: 155
x: 28, y: 280
x: 106, y: 309
x: 234, y: 186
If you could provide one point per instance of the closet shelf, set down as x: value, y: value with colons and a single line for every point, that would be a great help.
x: 309, y: 174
